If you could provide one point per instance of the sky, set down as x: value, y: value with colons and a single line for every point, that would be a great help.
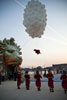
x: 52, y: 44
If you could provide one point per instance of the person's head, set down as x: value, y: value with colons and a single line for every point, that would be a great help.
x: 37, y: 72
x: 26, y: 72
x: 49, y: 71
x: 64, y: 72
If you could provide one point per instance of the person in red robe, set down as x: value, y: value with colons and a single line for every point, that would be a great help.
x: 27, y: 78
x: 64, y: 81
x: 18, y: 77
x: 37, y: 76
x: 50, y: 81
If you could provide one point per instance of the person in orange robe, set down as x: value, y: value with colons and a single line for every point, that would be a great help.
x: 18, y: 77
x: 64, y: 81
x: 37, y: 76
x: 27, y: 78
x: 50, y: 81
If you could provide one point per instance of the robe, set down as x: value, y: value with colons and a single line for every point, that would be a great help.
x: 27, y: 78
x: 38, y: 81
x: 18, y: 79
x: 18, y: 76
x: 50, y: 80
x: 37, y: 51
x: 64, y: 81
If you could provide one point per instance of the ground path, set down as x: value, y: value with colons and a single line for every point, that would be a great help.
x: 9, y: 91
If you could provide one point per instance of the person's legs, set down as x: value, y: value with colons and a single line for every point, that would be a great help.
x: 65, y: 91
x: 27, y: 85
x: 38, y: 88
x: 52, y: 90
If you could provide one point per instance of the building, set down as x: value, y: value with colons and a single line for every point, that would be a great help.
x: 60, y: 67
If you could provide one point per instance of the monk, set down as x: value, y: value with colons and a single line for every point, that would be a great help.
x: 50, y: 81
x: 18, y: 77
x: 27, y: 78
x: 64, y: 81
x: 37, y: 76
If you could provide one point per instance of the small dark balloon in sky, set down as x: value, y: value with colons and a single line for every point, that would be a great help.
x: 37, y: 51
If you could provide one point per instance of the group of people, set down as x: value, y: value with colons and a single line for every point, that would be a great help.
x: 38, y: 77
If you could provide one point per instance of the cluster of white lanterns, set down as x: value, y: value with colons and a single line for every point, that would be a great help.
x: 35, y: 18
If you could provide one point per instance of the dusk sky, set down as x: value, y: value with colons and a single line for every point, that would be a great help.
x: 53, y: 44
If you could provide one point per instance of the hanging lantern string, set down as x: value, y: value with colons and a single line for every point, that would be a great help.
x: 19, y: 3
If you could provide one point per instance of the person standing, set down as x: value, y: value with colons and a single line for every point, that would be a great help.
x: 50, y: 81
x: 0, y: 77
x: 3, y: 75
x: 18, y: 77
x: 27, y: 78
x: 37, y: 76
x: 15, y: 73
x: 64, y: 81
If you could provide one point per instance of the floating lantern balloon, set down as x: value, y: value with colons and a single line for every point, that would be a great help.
x: 35, y: 18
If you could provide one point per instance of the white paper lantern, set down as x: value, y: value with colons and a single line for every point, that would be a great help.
x: 35, y: 18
